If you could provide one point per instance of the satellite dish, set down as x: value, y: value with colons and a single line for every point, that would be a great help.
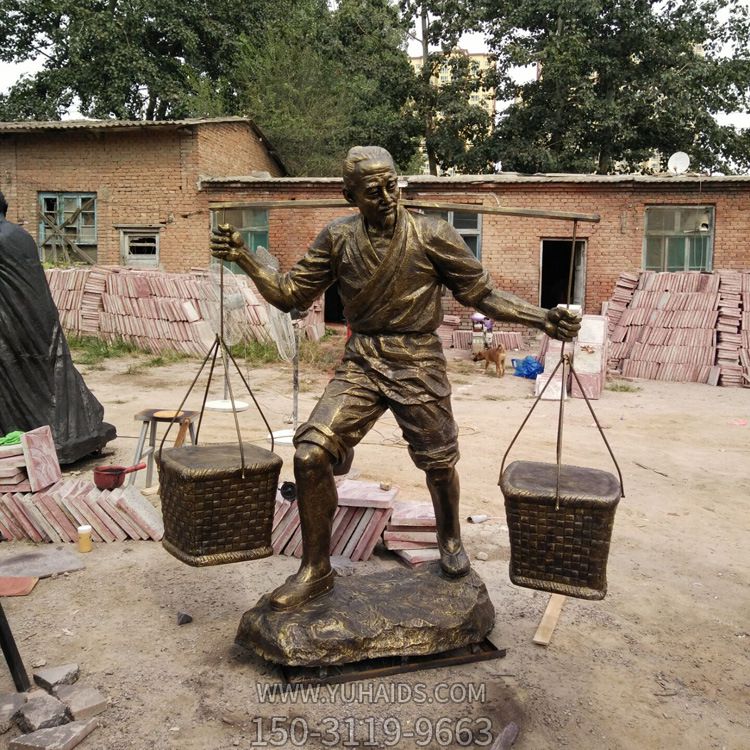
x: 678, y: 163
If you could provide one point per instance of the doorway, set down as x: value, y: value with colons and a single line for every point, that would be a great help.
x: 333, y: 311
x: 556, y: 270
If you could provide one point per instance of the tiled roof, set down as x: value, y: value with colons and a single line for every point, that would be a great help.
x: 499, y: 179
x: 28, y: 126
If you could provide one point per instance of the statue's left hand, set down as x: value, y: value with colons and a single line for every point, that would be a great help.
x: 562, y: 324
x: 227, y: 243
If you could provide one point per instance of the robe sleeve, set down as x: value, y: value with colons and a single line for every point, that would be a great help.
x: 471, y: 284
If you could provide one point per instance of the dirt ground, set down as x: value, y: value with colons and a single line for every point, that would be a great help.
x: 661, y: 662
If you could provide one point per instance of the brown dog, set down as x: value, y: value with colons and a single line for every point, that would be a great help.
x: 495, y: 354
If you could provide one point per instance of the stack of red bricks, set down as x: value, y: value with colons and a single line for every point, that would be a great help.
x: 689, y: 326
x: 363, y: 511
x: 55, y: 513
x: 622, y: 296
x: 38, y: 505
x: 30, y: 465
x: 412, y: 533
x: 447, y: 330
x: 161, y: 311
x: 509, y: 339
x: 729, y: 338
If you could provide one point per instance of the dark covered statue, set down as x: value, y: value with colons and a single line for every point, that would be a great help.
x: 38, y: 383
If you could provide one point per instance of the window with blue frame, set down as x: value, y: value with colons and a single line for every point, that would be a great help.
x: 468, y: 224
x: 67, y: 227
x: 251, y: 223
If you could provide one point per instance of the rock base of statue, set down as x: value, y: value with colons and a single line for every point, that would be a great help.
x: 395, y: 613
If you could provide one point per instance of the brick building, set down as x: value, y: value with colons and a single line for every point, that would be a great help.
x: 141, y: 194
x: 676, y: 222
x: 121, y: 192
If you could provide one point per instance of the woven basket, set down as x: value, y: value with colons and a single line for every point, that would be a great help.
x: 564, y: 550
x: 212, y: 515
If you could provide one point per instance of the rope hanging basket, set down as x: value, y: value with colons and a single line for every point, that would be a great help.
x: 218, y: 500
x: 214, y: 512
x: 560, y: 517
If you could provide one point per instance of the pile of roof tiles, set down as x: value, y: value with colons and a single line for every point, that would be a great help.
x: 362, y: 514
x: 159, y: 311
x: 684, y: 327
x: 509, y: 339
x: 366, y: 514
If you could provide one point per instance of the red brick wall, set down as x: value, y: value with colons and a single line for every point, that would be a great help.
x: 511, y: 246
x: 143, y: 176
x: 232, y: 148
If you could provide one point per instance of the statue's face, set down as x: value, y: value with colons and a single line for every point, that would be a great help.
x: 375, y: 193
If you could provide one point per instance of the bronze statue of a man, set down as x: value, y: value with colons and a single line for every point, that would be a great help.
x: 391, y: 266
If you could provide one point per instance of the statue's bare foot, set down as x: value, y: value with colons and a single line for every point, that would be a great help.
x: 302, y: 587
x: 454, y: 561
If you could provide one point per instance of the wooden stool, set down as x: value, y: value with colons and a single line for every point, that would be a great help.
x: 149, y: 418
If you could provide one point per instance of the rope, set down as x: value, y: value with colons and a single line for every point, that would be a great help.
x: 565, y: 359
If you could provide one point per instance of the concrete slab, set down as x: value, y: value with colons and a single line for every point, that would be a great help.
x: 58, y: 738
x: 10, y: 705
x: 42, y: 711
x: 141, y: 512
x: 83, y: 701
x: 52, y: 677
x: 41, y: 563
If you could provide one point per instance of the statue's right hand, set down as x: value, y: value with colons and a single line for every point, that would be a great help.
x: 227, y: 243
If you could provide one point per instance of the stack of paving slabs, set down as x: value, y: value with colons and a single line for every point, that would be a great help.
x: 160, y: 311
x: 362, y: 514
x: 745, y: 331
x: 55, y: 513
x: 412, y: 533
x: 31, y: 465
x: 446, y: 330
x: 622, y: 296
x: 669, y: 329
x: 509, y: 339
x: 729, y: 339
x: 590, y: 357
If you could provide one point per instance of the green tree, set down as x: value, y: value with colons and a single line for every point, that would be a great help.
x: 131, y: 59
x: 620, y: 80
x: 319, y: 80
x: 371, y: 46
x: 293, y: 87
x: 456, y: 132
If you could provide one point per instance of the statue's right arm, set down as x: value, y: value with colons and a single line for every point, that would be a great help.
x: 297, y: 288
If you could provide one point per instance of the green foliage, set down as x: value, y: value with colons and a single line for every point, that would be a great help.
x: 255, y: 353
x: 620, y: 80
x: 88, y: 350
x: 129, y: 59
x: 456, y: 132
x: 622, y: 387
x: 319, y: 81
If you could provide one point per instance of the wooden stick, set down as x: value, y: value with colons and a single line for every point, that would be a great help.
x: 182, y: 433
x: 468, y: 207
x: 549, y: 619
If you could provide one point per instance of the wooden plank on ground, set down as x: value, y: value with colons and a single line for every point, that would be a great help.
x: 549, y: 619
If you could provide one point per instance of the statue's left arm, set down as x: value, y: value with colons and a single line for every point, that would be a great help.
x: 472, y: 286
